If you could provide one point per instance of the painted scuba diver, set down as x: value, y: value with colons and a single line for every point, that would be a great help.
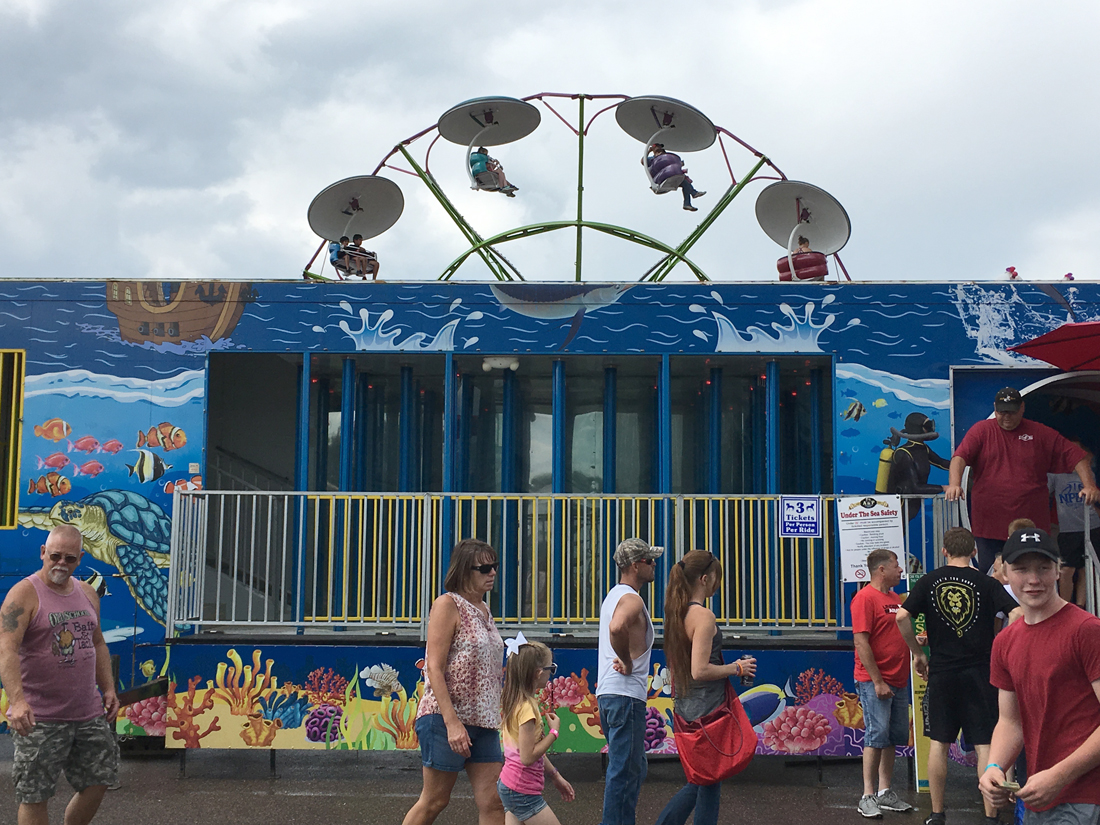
x: 904, y: 470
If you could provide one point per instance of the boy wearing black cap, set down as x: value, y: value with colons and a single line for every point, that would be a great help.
x: 1010, y: 457
x: 1047, y: 669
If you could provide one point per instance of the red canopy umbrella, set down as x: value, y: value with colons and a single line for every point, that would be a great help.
x: 1072, y: 346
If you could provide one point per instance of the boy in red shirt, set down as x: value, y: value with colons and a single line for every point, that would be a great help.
x: 882, y: 675
x: 1047, y: 669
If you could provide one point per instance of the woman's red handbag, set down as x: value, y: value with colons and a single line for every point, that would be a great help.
x: 717, y: 745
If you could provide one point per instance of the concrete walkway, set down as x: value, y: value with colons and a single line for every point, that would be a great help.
x: 348, y: 788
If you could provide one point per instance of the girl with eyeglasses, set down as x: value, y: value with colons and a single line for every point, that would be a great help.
x: 526, y: 765
x: 458, y: 720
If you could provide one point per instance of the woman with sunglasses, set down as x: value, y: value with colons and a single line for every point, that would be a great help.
x: 458, y: 720
x: 693, y: 651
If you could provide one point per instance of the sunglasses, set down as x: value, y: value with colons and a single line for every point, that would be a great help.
x: 650, y: 562
x: 56, y: 557
x: 552, y: 667
x: 486, y: 569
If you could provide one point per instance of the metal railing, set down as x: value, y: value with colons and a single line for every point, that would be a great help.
x: 375, y: 561
x: 1091, y: 571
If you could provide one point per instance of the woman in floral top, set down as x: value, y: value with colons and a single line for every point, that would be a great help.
x: 458, y: 720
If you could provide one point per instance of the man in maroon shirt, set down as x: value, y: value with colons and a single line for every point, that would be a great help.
x: 881, y: 674
x: 1010, y: 458
x: 1047, y: 670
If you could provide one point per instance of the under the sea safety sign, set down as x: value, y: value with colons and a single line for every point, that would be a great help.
x: 866, y: 523
x: 800, y: 517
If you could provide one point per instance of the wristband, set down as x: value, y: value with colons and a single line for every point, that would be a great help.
x: 740, y: 670
x: 554, y: 732
x: 994, y: 765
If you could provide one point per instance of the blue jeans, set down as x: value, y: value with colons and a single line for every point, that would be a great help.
x: 885, y: 721
x: 623, y: 721
x: 688, y: 190
x: 703, y: 799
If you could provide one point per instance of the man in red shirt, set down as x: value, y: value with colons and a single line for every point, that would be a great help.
x: 882, y: 674
x: 1010, y: 458
x: 1047, y: 669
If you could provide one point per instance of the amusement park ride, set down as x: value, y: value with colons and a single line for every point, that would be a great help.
x: 806, y: 221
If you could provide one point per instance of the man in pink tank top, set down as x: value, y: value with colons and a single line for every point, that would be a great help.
x: 52, y: 657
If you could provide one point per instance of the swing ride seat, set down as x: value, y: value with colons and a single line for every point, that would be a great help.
x: 808, y: 266
x: 666, y: 173
x: 670, y: 184
x: 486, y: 182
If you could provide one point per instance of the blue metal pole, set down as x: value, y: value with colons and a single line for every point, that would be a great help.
x: 362, y: 422
x: 508, y: 434
x: 320, y: 476
x: 407, y: 429
x: 301, y: 483
x: 450, y: 385
x: 558, y: 446
x: 714, y: 464
x: 772, y: 422
x: 610, y: 385
x: 664, y: 427
x: 816, y: 433
x: 347, y: 424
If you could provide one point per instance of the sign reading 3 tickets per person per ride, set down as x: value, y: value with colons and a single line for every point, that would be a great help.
x: 866, y: 523
x: 800, y: 517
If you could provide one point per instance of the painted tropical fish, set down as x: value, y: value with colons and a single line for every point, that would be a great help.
x: 55, y: 429
x: 85, y: 444
x: 112, y: 446
x: 148, y: 467
x: 855, y: 411
x: 56, y: 461
x: 165, y: 435
x: 193, y: 483
x: 89, y: 468
x: 148, y: 669
x: 550, y: 302
x: 879, y: 403
x: 98, y: 583
x: 52, y: 483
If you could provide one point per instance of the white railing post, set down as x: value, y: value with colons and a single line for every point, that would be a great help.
x: 426, y: 563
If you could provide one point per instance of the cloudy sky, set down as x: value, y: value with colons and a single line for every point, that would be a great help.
x: 186, y: 140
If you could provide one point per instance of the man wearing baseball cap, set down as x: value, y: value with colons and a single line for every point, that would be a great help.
x: 1047, y: 671
x: 626, y: 640
x: 1010, y: 458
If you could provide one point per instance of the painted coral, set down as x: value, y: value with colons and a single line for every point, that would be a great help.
x: 398, y: 719
x: 151, y: 715
x: 813, y: 683
x: 182, y: 713
x: 655, y: 729
x: 286, y: 706
x: 323, y: 724
x: 241, y: 686
x: 797, y: 730
x: 258, y: 731
x: 324, y: 687
x: 849, y: 712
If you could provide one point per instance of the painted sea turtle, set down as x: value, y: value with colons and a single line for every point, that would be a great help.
x: 123, y: 529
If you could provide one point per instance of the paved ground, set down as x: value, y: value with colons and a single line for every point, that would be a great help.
x: 338, y: 788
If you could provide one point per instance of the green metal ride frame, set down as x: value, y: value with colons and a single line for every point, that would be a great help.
x: 503, y: 270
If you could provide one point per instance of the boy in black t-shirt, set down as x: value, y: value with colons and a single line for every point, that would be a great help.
x: 959, y: 605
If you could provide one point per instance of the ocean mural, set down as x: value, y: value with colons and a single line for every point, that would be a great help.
x: 354, y: 698
x: 115, y: 420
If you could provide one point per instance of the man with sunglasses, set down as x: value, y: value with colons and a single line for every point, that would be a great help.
x: 52, y: 657
x: 626, y: 640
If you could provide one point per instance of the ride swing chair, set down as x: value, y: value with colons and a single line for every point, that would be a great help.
x: 806, y: 221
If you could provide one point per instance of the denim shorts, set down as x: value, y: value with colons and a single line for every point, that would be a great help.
x: 435, y: 751
x: 885, y: 721
x: 522, y: 806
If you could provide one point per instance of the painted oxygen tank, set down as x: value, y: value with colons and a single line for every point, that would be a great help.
x: 885, y: 462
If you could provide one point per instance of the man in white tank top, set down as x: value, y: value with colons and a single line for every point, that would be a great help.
x: 626, y: 640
